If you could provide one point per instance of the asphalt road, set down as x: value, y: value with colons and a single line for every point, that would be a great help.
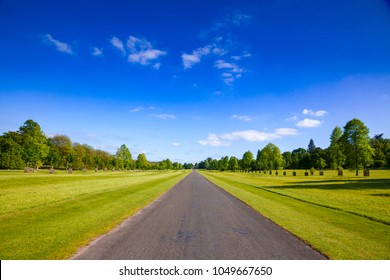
x: 197, y: 220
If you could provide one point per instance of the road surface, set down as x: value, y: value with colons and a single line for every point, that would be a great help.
x: 197, y: 220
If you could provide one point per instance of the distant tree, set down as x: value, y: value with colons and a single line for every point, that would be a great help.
x: 287, y: 158
x: 381, y: 148
x: 335, y: 150
x: 61, y: 146
x: 224, y: 163
x: 356, y: 145
x: 233, y: 164
x: 34, y: 144
x: 124, y: 158
x: 270, y: 158
x: 296, y: 158
x: 246, y: 162
x: 142, y: 162
x: 311, y: 147
x: 11, y: 151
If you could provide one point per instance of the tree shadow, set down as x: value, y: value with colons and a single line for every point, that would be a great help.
x: 352, y: 184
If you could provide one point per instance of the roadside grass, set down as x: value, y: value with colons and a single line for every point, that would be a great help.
x: 342, y: 217
x: 45, y: 216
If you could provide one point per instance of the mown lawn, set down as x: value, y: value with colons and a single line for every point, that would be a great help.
x: 343, y: 217
x: 45, y: 216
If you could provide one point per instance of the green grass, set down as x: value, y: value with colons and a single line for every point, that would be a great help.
x: 343, y: 217
x: 45, y: 216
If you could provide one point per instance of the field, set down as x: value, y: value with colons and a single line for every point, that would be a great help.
x: 343, y: 217
x: 45, y: 216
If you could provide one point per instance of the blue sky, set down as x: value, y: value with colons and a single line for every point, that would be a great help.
x: 188, y: 80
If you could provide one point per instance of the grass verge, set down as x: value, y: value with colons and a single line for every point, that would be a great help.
x: 46, y: 216
x: 344, y: 218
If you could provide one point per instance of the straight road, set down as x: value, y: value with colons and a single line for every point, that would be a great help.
x: 197, y: 220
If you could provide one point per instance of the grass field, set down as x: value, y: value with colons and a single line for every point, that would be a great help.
x: 343, y: 217
x: 45, y: 216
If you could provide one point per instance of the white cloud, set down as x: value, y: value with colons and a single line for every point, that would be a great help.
x: 139, y: 51
x: 61, y: 47
x: 309, y: 123
x: 293, y: 118
x: 213, y: 140
x: 286, y: 131
x: 97, y: 52
x: 319, y: 113
x: 232, y: 71
x: 250, y: 135
x: 118, y: 44
x: 176, y: 144
x: 142, y: 52
x: 190, y: 60
x: 245, y: 118
x: 165, y: 116
x: 137, y: 109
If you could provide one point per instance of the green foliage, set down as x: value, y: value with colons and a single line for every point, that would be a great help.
x: 246, y: 162
x: 142, y: 163
x: 269, y: 158
x: 356, y: 145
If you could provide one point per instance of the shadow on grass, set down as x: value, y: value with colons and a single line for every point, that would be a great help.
x: 349, y: 184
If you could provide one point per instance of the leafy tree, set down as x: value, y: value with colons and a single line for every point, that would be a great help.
x: 311, y: 147
x: 142, y: 163
x: 335, y: 151
x: 224, y: 163
x: 287, y: 159
x: 61, y: 150
x: 246, y: 162
x: 233, y: 164
x: 11, y: 151
x: 34, y: 144
x: 381, y: 148
x: 270, y: 157
x: 356, y: 145
x: 296, y: 158
x: 124, y: 158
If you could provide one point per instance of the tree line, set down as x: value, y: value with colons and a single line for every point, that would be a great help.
x: 30, y: 148
x: 350, y: 148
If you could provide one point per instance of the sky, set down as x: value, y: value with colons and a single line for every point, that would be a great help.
x: 187, y: 80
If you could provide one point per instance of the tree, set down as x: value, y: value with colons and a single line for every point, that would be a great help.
x: 142, y: 163
x: 381, y: 148
x: 11, y: 151
x: 34, y: 144
x: 356, y: 145
x: 224, y: 163
x: 296, y: 158
x: 247, y: 159
x: 337, y: 157
x: 60, y: 150
x: 233, y: 164
x: 271, y: 158
x: 311, y: 147
x: 124, y: 158
x: 287, y: 158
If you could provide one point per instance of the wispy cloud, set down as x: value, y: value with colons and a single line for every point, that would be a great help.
x: 97, y: 52
x: 190, y: 60
x: 117, y: 43
x: 139, y: 50
x: 137, y: 109
x: 309, y: 123
x: 231, y: 71
x: 245, y: 118
x: 226, y: 139
x: 310, y: 112
x: 60, y: 46
x: 165, y: 116
x: 176, y: 144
